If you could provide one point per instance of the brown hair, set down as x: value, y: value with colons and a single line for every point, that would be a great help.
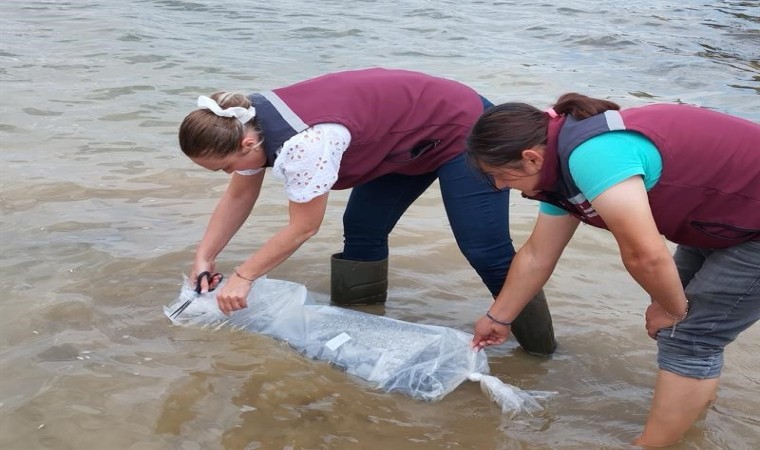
x: 203, y: 133
x: 501, y: 134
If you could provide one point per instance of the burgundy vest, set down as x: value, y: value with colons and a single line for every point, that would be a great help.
x: 400, y: 121
x: 708, y: 194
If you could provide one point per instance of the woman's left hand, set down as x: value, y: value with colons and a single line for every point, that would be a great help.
x: 233, y: 295
x: 657, y: 319
x: 488, y: 332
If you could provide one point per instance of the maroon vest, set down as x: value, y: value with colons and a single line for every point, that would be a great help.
x: 400, y: 121
x: 708, y: 194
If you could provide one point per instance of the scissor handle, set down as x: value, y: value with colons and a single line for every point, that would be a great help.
x: 209, y: 278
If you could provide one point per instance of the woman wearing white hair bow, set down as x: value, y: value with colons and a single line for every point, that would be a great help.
x: 388, y: 135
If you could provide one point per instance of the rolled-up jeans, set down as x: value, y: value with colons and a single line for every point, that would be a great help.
x: 723, y: 288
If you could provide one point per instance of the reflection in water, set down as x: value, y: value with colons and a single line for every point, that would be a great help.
x: 100, y: 216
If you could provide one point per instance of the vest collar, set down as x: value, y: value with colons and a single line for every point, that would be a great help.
x: 550, y: 171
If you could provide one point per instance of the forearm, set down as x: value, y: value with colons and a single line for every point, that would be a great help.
x: 275, y: 251
x: 656, y: 273
x: 228, y: 216
x: 533, y: 265
x: 526, y: 277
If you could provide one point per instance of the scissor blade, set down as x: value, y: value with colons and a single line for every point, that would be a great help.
x: 179, y: 310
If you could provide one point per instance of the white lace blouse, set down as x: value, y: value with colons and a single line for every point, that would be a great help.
x: 309, y: 161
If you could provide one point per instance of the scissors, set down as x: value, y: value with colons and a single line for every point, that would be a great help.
x: 198, y: 283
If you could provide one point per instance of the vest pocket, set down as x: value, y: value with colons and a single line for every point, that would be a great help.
x: 723, y: 231
x: 419, y: 149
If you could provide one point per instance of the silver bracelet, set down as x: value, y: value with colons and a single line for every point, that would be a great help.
x: 677, y: 319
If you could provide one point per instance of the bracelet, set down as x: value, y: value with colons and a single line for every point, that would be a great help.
x: 505, y: 324
x: 237, y: 274
x: 677, y: 319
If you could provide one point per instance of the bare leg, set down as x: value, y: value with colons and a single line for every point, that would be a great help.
x: 678, y: 402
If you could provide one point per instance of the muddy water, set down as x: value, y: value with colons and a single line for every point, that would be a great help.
x: 100, y: 216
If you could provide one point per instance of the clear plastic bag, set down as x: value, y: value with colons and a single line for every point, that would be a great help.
x: 423, y: 361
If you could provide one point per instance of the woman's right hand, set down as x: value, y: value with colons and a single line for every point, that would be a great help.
x: 201, y: 266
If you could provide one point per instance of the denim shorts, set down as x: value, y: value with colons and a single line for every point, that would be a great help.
x: 723, y: 288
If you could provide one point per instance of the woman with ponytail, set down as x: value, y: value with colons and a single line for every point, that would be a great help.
x: 682, y: 172
x: 388, y: 135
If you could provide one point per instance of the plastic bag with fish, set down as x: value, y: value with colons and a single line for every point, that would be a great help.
x: 423, y: 361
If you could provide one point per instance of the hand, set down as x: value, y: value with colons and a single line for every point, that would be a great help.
x: 657, y: 319
x: 201, y: 266
x: 233, y: 295
x: 488, y: 332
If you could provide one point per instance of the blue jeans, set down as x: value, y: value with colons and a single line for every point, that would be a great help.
x: 723, y: 288
x: 478, y: 215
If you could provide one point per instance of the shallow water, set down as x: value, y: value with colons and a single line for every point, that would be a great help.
x: 101, y: 213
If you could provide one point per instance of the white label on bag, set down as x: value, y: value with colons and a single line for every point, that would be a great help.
x: 334, y: 343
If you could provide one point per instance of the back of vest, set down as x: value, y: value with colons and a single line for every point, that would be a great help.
x: 400, y: 121
x: 708, y: 194
x: 709, y: 191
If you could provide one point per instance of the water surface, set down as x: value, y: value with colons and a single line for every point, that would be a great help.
x: 101, y: 213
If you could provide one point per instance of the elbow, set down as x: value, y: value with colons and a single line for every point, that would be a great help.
x: 646, y: 263
x: 538, y: 261
x: 311, y: 231
x: 304, y: 234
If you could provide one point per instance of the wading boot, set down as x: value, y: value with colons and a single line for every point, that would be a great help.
x: 358, y: 282
x: 533, y: 328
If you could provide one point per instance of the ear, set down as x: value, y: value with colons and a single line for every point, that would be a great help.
x: 533, y: 157
x: 249, y: 142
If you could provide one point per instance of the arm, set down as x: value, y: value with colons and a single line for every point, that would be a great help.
x: 304, y: 222
x: 625, y: 209
x: 531, y: 268
x: 228, y: 216
x: 313, y: 154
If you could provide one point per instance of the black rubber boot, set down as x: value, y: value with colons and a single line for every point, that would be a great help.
x: 533, y: 328
x: 358, y: 282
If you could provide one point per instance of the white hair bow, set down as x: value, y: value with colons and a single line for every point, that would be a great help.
x: 240, y: 113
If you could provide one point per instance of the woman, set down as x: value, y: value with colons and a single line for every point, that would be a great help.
x: 684, y: 172
x: 388, y: 134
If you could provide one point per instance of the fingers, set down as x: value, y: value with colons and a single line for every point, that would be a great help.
x: 228, y: 307
x: 480, y: 343
x: 214, y: 281
x: 233, y: 295
x: 204, y: 285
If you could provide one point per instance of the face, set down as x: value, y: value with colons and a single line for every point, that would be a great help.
x: 249, y: 156
x: 512, y: 178
x: 523, y: 176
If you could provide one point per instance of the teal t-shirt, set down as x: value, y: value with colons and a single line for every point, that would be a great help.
x: 607, y: 159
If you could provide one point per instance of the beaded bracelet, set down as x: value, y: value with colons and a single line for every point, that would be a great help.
x: 677, y: 319
x: 237, y: 274
x: 506, y: 324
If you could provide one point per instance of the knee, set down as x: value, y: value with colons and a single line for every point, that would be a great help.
x: 492, y: 259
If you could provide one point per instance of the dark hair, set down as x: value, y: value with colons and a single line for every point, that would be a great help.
x: 501, y: 134
x: 203, y: 133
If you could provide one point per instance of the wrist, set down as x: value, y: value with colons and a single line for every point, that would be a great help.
x: 201, y: 259
x: 237, y: 273
x: 504, y: 323
x: 679, y: 317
